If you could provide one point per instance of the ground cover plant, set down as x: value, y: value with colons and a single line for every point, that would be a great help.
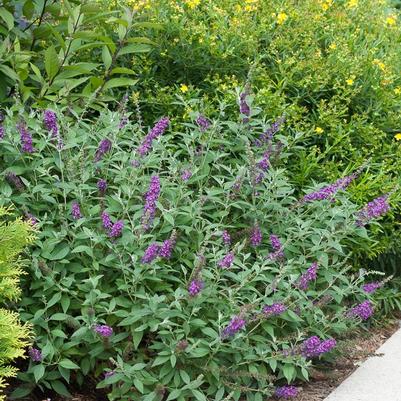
x: 177, y: 261
x: 14, y: 337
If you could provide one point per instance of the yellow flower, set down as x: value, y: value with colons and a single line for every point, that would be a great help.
x: 192, y: 3
x: 398, y: 136
x: 352, y: 3
x: 184, y: 88
x: 281, y: 17
x: 319, y: 130
x: 380, y: 64
x: 397, y: 90
x: 391, y: 20
x: 349, y: 81
x: 333, y: 46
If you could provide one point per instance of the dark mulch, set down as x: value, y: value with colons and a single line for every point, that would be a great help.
x: 359, y: 346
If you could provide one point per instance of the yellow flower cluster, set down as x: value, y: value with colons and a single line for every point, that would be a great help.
x: 139, y: 5
x: 319, y: 130
x: 380, y: 64
x: 192, y: 3
x: 352, y: 4
x: 326, y: 4
x: 251, y: 5
x: 281, y: 17
x: 391, y: 20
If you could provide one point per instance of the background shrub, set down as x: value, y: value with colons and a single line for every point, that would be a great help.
x: 107, y: 298
x: 14, y: 236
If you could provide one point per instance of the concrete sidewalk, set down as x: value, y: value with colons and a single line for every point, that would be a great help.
x: 377, y: 379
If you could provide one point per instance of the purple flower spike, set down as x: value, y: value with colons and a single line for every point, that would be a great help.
x: 109, y: 374
x: 203, y: 123
x: 26, y: 139
x: 151, y: 198
x: 104, y: 147
x: 226, y: 262
x: 226, y: 238
x: 370, y: 288
x: 107, y: 224
x: 268, y: 135
x: 237, y: 323
x: 117, y: 229
x: 373, y: 210
x: 2, y: 132
x: 314, y: 347
x: 286, y: 392
x: 151, y: 253
x: 186, y: 175
x: 146, y: 145
x: 103, y: 330
x: 50, y: 121
x: 364, y: 310
x: 274, y: 310
x: 35, y: 354
x: 310, y: 275
x: 167, y: 248
x: 264, y: 164
x: 102, y: 186
x: 256, y: 236
x: 243, y: 106
x: 195, y: 287
x: 278, y: 252
x: 76, y: 211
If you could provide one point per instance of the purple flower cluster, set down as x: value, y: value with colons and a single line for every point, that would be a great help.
x: 264, y: 163
x: 107, y: 224
x: 167, y: 248
x: 155, y: 132
x: 364, y: 310
x: 35, y: 354
x: 103, y: 330
x: 151, y: 198
x: 226, y: 238
x: 14, y: 180
x: 226, y: 262
x: 203, y: 123
x: 255, y: 236
x: 195, y: 287
x: 286, y: 392
x: 117, y: 229
x: 268, y: 135
x: 186, y: 175
x: 370, y: 288
x: 278, y: 252
x: 237, y: 323
x: 151, y: 253
x: 314, y: 346
x: 26, y: 139
x: 309, y: 275
x: 373, y: 209
x: 102, y: 186
x: 103, y: 148
x: 243, y: 106
x: 2, y: 132
x: 274, y: 310
x: 50, y: 121
x: 76, y: 211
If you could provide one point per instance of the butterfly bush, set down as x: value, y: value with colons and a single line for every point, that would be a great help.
x: 152, y: 257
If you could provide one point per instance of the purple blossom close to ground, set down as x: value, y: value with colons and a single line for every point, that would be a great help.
x: 308, y: 276
x: 151, y: 198
x: 255, y: 236
x: 364, y: 310
x: 314, y: 346
x: 26, y: 139
x: 186, y: 175
x: 373, y: 210
x: 226, y: 262
x: 195, y: 287
x: 103, y: 330
x: 237, y: 323
x: 102, y: 186
x: 167, y: 248
x: 103, y: 148
x: 159, y: 128
x: 203, y: 123
x: 151, y: 253
x: 76, y: 211
x: 370, y: 288
x: 226, y: 238
x: 274, y: 310
x: 278, y: 252
x: 107, y: 224
x: 35, y: 354
x: 286, y: 392
x: 50, y: 121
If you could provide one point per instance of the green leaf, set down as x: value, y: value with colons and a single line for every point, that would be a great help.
x: 60, y: 388
x: 174, y: 394
x: 10, y: 73
x: 198, y: 395
x: 51, y: 62
x: 38, y: 372
x: 289, y: 372
x: 106, y: 57
x: 122, y: 70
x: 59, y: 316
x: 7, y: 17
x: 185, y: 376
x: 68, y: 364
x: 118, y: 82
x: 21, y: 392
x: 60, y: 252
x: 134, y: 48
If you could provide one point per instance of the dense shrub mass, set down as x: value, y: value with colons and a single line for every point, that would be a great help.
x: 178, y: 260
x: 14, y: 236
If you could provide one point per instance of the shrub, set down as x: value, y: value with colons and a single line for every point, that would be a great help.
x: 179, y: 261
x: 14, y: 236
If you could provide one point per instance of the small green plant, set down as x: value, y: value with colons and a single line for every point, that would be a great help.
x: 14, y: 337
